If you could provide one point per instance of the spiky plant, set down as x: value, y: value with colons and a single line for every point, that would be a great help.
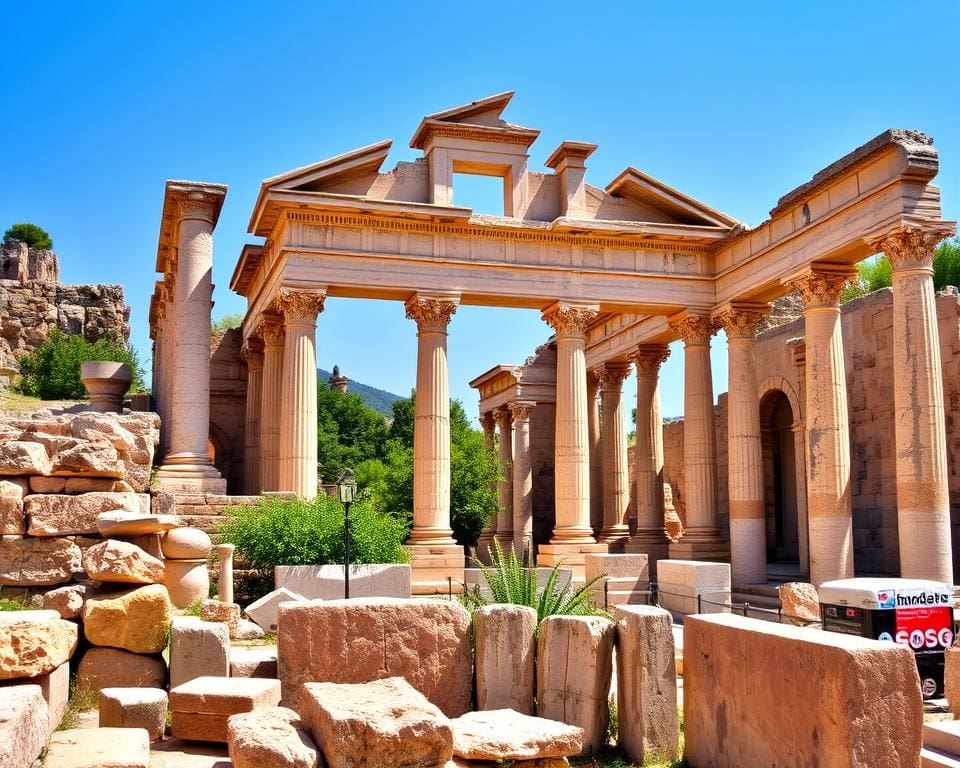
x: 511, y: 583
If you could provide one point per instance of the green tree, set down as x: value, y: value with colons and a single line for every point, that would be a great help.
x: 31, y: 234
x: 52, y: 371
x: 348, y: 432
x: 946, y: 264
x: 232, y: 320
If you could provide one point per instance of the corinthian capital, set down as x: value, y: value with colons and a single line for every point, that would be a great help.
x: 521, y: 409
x: 612, y: 375
x: 912, y: 247
x: 571, y: 320
x: 694, y: 329
x: 821, y: 287
x: 649, y: 358
x: 270, y: 329
x: 741, y: 322
x: 197, y: 205
x: 431, y: 312
x: 300, y: 306
x: 252, y: 352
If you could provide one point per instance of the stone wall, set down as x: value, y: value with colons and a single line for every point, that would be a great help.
x: 228, y: 397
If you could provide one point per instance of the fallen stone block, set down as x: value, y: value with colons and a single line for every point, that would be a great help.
x: 646, y: 683
x: 56, y: 514
x: 247, y: 630
x: 67, y: 601
x: 202, y: 706
x: 135, y: 620
x: 198, y: 649
x: 264, y: 610
x: 134, y: 708
x: 372, y: 725
x: 226, y: 613
x: 574, y: 666
x: 693, y: 586
x: 796, y: 696
x: 427, y: 642
x: 29, y: 562
x: 504, y: 637
x: 24, y: 725
x: 88, y: 484
x: 121, y: 562
x: 254, y: 661
x: 270, y: 738
x: 502, y: 734
x: 101, y: 668
x: 799, y: 602
x: 95, y: 459
x: 55, y: 689
x: 120, y: 523
x: 325, y: 582
x: 19, y: 457
x: 99, y: 748
x: 34, y: 643
x: 623, y: 577
x: 12, y: 519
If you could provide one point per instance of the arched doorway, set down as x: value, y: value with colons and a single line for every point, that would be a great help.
x: 780, y: 478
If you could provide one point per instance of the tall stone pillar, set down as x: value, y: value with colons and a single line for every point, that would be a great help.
x: 298, y: 387
x: 701, y: 539
x: 520, y: 410
x: 745, y: 491
x: 572, y: 533
x: 596, y: 451
x: 270, y: 329
x: 616, y: 473
x: 187, y: 464
x: 829, y: 517
x: 504, y: 533
x: 436, y: 554
x: 923, y: 500
x: 488, y: 423
x: 252, y: 353
x: 650, y: 537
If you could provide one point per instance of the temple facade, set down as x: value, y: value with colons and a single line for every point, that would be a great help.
x: 618, y: 273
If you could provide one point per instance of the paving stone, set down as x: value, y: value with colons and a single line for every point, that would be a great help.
x: 134, y: 708
x: 99, y: 748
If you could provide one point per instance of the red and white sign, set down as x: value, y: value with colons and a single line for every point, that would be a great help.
x: 924, y: 629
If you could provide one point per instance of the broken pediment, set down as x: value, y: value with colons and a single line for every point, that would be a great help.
x: 479, y: 120
x: 319, y: 177
x: 652, y: 200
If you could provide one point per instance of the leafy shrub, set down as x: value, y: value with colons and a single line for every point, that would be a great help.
x: 6, y: 604
x: 225, y: 323
x: 300, y: 532
x: 52, y: 371
x: 31, y: 234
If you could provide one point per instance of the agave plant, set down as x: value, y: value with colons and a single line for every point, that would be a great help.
x: 512, y: 583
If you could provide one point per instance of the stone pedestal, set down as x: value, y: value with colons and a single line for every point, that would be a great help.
x: 616, y: 475
x: 687, y: 586
x: 522, y: 479
x: 270, y: 329
x: 573, y: 556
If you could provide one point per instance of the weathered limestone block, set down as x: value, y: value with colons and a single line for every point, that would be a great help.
x: 264, y: 610
x: 134, y: 524
x: 34, y: 643
x: 247, y: 630
x: 186, y: 544
x: 101, y: 668
x: 325, y: 582
x: 135, y: 620
x: 951, y: 678
x: 134, y: 708
x: 427, y: 642
x: 99, y: 748
x: 91, y: 459
x: 544, y: 762
x: 646, y: 683
x: 574, y: 666
x: 628, y: 576
x: 29, y: 562
x: 55, y: 689
x: 681, y: 582
x: 62, y: 514
x: 202, y: 706
x: 75, y: 485
x: 371, y: 725
x: 121, y: 562
x: 840, y: 700
x: 198, y: 649
x: 270, y: 738
x: 19, y: 457
x: 505, y: 641
x: 255, y: 661
x: 24, y: 726
x: 12, y: 520
x: 41, y: 484
x: 225, y: 613
x: 502, y: 734
x: 800, y: 603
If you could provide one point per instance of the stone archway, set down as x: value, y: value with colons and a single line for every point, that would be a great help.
x: 784, y: 532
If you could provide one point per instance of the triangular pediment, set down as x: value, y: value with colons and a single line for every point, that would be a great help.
x: 648, y: 193
x: 480, y: 120
x: 486, y: 111
x: 318, y: 177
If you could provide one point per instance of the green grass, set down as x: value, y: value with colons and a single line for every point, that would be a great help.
x: 80, y: 701
x: 611, y: 757
x: 11, y: 605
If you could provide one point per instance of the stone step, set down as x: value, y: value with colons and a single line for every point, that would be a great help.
x: 943, y: 736
x: 931, y: 758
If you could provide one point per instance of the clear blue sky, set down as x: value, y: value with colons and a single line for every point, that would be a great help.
x: 734, y: 104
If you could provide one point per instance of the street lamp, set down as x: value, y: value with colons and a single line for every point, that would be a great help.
x: 347, y: 485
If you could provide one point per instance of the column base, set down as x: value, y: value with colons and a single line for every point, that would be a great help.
x: 615, y: 537
x: 701, y: 544
x: 432, y: 565
x: 569, y: 556
x: 181, y: 483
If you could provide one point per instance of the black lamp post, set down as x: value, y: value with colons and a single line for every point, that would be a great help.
x: 347, y: 485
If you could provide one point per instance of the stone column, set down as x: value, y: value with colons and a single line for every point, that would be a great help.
x: 252, y: 353
x: 923, y: 499
x: 596, y: 451
x: 270, y: 329
x: 488, y: 424
x: 650, y: 537
x: 504, y: 533
x: 188, y: 460
x: 298, y: 407
x: 616, y: 473
x: 748, y: 543
x: 572, y: 533
x: 829, y: 518
x: 522, y: 480
x: 431, y: 431
x: 701, y: 538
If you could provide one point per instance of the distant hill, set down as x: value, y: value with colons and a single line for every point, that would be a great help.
x: 378, y: 399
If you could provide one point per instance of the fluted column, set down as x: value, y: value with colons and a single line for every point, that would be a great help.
x: 923, y: 500
x: 650, y: 537
x: 522, y: 479
x: 431, y: 430
x: 298, y: 409
x: 572, y: 459
x: 252, y: 353
x: 189, y: 412
x: 488, y: 424
x: 596, y: 452
x: 745, y: 491
x: 270, y: 329
x: 616, y: 473
x: 504, y: 533
x: 829, y: 517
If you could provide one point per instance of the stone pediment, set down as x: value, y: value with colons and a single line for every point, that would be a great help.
x: 478, y: 120
x: 365, y: 161
x: 655, y: 201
